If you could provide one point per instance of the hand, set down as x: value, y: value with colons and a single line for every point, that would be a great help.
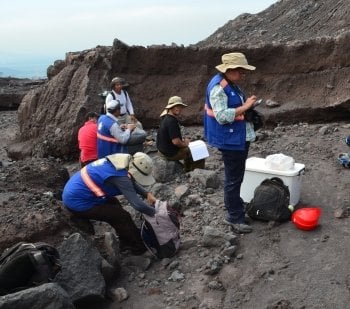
x: 133, y: 118
x: 123, y: 126
x: 249, y: 103
x: 131, y: 126
x: 150, y: 198
x: 186, y: 141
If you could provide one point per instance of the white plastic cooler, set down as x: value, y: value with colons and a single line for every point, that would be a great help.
x: 256, y: 171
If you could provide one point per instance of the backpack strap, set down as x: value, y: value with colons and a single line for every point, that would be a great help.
x: 126, y: 95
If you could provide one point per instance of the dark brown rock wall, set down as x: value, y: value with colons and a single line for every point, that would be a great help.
x: 309, y: 80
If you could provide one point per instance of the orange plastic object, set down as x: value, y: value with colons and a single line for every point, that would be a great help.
x: 306, y: 218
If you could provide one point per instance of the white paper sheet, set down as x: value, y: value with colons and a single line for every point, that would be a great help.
x: 199, y: 150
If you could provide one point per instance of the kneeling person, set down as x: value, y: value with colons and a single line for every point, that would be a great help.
x: 90, y: 194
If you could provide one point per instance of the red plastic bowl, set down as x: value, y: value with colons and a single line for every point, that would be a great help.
x: 306, y: 218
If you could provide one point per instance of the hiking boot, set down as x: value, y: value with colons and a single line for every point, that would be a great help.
x: 347, y: 140
x: 239, y: 228
x: 344, y: 159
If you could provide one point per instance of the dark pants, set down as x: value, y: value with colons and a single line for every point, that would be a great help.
x: 113, y: 213
x: 234, y: 162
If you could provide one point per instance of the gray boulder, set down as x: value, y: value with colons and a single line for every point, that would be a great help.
x: 81, y: 273
x: 46, y: 296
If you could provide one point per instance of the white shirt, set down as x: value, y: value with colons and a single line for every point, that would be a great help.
x: 125, y: 102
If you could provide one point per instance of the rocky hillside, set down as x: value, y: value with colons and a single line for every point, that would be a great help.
x: 284, y: 22
x: 309, y: 80
x: 13, y: 90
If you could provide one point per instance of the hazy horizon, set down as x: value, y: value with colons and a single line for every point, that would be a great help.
x: 36, y: 33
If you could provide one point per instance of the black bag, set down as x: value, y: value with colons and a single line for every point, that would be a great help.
x: 270, y: 201
x: 161, y: 233
x: 255, y: 117
x: 26, y: 265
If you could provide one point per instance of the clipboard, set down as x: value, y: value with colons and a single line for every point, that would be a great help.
x: 198, y: 150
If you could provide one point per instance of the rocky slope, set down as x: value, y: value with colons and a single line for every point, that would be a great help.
x: 308, y: 74
x: 276, y: 266
x: 282, y: 23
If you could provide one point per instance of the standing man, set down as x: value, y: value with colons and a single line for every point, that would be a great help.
x: 226, y: 128
x: 127, y: 114
x: 87, y: 139
x: 170, y: 143
x: 112, y: 137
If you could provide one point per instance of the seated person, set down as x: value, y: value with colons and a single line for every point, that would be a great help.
x: 87, y: 139
x: 170, y: 143
x: 112, y: 137
x: 90, y: 194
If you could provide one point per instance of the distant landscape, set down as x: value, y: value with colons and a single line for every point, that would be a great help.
x: 23, y: 65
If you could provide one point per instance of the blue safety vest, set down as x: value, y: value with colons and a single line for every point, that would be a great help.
x: 106, y: 143
x: 86, y: 188
x: 230, y: 136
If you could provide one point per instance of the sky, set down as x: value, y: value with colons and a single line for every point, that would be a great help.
x: 41, y: 31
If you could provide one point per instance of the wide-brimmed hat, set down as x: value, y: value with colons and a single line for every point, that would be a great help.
x: 141, y: 167
x: 234, y: 61
x: 113, y: 105
x: 173, y: 101
x: 119, y: 80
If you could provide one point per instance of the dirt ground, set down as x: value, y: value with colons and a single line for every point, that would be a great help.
x: 276, y: 266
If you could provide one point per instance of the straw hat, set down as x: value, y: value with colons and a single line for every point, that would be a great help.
x: 233, y: 61
x: 173, y: 101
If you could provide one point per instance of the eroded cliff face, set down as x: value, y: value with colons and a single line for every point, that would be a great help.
x: 310, y: 80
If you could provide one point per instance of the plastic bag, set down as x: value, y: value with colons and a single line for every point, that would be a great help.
x: 279, y: 162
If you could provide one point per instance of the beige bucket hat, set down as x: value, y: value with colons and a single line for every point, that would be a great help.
x: 173, y: 101
x: 141, y: 167
x: 233, y: 61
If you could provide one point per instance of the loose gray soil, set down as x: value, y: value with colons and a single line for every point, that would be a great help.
x: 276, y: 266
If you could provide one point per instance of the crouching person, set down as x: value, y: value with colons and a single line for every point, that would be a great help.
x: 90, y: 194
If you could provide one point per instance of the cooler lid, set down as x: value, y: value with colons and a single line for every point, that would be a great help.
x: 255, y: 164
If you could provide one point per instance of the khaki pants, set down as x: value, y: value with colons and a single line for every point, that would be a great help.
x: 185, y: 154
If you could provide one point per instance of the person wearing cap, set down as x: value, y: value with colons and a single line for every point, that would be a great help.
x: 87, y: 139
x: 226, y: 128
x: 90, y: 194
x: 112, y: 137
x: 127, y: 114
x: 170, y: 143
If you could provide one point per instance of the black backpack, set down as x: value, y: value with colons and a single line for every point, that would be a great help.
x: 26, y: 265
x: 270, y: 201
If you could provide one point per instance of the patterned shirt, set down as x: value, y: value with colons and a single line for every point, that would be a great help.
x: 223, y: 115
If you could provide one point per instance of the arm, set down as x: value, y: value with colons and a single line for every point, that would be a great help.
x: 223, y: 114
x: 175, y: 135
x: 109, y: 97
x: 127, y: 188
x: 180, y: 143
x: 129, y: 106
x: 119, y: 134
x: 144, y: 193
